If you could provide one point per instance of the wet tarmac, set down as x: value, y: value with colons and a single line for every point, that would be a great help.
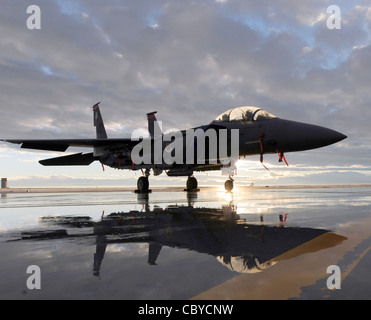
x: 254, y: 243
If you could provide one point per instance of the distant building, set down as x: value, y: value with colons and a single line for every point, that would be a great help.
x: 4, y: 183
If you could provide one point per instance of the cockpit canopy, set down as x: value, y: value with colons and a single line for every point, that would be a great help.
x: 247, y: 113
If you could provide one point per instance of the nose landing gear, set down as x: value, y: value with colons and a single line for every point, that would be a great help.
x: 228, y: 185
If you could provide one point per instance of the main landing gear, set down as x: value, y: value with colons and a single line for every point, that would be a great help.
x: 192, y: 184
x: 143, y: 183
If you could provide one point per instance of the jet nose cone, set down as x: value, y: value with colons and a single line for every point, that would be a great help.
x: 329, y: 136
x: 302, y: 136
x: 340, y: 136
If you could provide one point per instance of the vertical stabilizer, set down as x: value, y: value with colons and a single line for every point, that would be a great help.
x: 153, y: 125
x: 98, y: 122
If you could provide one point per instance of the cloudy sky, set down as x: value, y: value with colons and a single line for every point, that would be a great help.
x: 190, y: 61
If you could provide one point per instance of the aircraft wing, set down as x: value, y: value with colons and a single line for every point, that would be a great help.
x: 63, y: 144
x: 78, y: 159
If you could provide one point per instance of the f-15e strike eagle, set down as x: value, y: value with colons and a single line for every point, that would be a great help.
x: 236, y: 133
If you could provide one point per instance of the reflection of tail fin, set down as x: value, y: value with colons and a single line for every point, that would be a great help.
x: 98, y: 122
x: 153, y: 125
x: 153, y: 252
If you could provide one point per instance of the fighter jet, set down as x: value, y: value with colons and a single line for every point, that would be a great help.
x: 234, y: 134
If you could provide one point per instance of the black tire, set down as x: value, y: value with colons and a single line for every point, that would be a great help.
x: 143, y: 184
x: 192, y: 183
x: 228, y: 185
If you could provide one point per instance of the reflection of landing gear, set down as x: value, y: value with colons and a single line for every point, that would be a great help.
x: 192, y: 184
x: 143, y: 183
x: 228, y: 185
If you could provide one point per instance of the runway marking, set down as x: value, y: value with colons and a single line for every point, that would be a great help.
x: 355, y: 263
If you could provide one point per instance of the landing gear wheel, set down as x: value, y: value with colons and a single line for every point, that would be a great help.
x: 192, y: 183
x: 228, y: 185
x: 143, y: 184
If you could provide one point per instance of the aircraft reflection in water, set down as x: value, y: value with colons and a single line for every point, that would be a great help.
x: 239, y: 245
